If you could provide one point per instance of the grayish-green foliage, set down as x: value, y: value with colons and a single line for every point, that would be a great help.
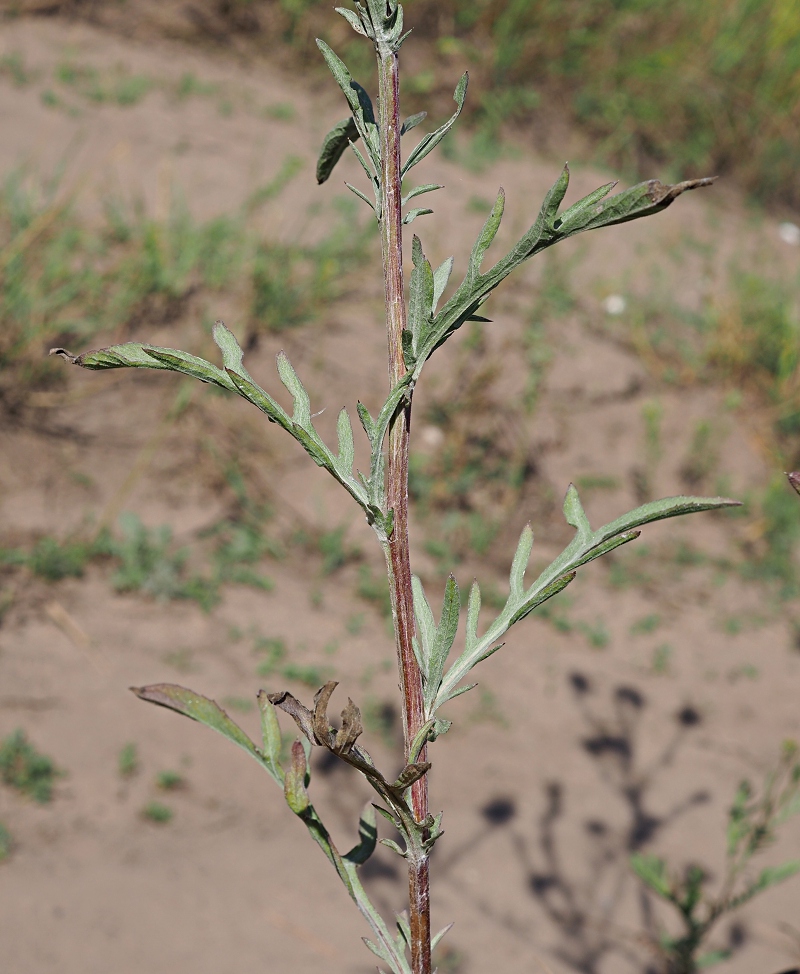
x: 429, y: 327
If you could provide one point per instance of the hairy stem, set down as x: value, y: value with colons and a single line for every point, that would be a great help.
x: 397, y: 554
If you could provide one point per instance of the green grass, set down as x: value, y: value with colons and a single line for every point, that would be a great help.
x: 63, y: 282
x: 157, y: 812
x: 170, y: 780
x: 6, y: 842
x: 128, y: 760
x: 25, y: 769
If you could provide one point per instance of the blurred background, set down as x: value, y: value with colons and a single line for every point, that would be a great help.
x: 157, y: 173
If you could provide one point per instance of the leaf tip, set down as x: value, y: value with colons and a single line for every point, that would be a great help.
x: 66, y: 355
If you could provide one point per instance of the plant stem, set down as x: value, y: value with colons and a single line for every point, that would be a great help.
x: 397, y: 553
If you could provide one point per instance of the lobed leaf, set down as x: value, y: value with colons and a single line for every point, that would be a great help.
x: 413, y: 214
x: 584, y: 547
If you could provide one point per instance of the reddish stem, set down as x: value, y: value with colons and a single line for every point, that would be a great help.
x: 397, y: 551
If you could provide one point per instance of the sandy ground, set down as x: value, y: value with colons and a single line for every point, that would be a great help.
x: 567, y: 758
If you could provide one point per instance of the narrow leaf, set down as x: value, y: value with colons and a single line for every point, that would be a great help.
x: 412, y: 122
x: 421, y: 290
x: 652, y: 871
x: 344, y: 431
x: 641, y: 200
x: 473, y: 611
x: 361, y: 196
x: 571, y: 213
x: 199, y: 708
x: 435, y: 940
x: 542, y: 596
x: 555, y: 197
x: 270, y: 734
x: 413, y: 214
x: 353, y: 19
x: 426, y: 625
x: 366, y: 420
x: 231, y: 351
x: 575, y: 514
x: 429, y: 142
x: 520, y: 562
x: 440, y: 278
x: 333, y: 145
x: 606, y: 546
x: 659, y: 510
x: 135, y: 355
x: 258, y: 397
x: 773, y: 875
x: 302, y: 405
x: 367, y: 835
x: 487, y: 235
x: 445, y: 635
x: 419, y: 190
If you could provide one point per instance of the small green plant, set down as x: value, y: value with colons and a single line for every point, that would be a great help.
x: 170, y: 780
x: 6, y: 842
x: 417, y: 327
x: 753, y: 821
x: 157, y: 812
x: 128, y: 760
x: 25, y: 769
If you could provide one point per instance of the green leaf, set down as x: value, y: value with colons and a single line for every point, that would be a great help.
x: 429, y: 142
x: 413, y: 214
x: 443, y: 640
x: 773, y: 875
x: 368, y: 837
x: 354, y: 20
x: 647, y: 198
x: 419, y: 190
x: 359, y: 102
x: 231, y: 351
x: 653, y: 872
x: 333, y: 145
x: 520, y: 562
x: 571, y: 214
x: 302, y: 404
x: 421, y: 291
x: 366, y: 420
x: 412, y: 122
x: 542, y: 595
x: 486, y: 236
x: 575, y: 514
x: 361, y: 196
x: 554, y: 198
x: 426, y: 625
x: 199, y: 708
x: 435, y: 940
x: 659, y: 510
x: 473, y: 611
x: 641, y: 200
x: 712, y: 957
x: 135, y: 355
x: 440, y: 278
x: 347, y: 454
x: 271, y: 735
x: 258, y: 397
